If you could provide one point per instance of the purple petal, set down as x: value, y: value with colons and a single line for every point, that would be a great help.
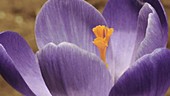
x: 124, y: 16
x: 6, y: 68
x: 150, y: 76
x: 24, y: 62
x: 68, y: 69
x: 68, y: 21
x: 157, y: 5
x: 155, y: 37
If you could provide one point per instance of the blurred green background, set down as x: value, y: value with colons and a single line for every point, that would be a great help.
x: 19, y: 16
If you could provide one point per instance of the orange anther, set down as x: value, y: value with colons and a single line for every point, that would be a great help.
x: 102, y: 34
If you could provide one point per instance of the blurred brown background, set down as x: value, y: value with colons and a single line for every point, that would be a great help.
x: 19, y: 16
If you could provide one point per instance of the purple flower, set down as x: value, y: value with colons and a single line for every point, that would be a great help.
x: 73, y: 52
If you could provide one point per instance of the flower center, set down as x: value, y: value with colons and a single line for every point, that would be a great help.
x: 102, y: 34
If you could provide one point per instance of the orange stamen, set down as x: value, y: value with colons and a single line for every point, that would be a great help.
x: 102, y: 34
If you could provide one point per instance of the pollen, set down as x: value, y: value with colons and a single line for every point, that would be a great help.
x: 101, y: 41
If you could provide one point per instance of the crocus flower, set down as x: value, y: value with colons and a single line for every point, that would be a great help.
x: 80, y: 55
